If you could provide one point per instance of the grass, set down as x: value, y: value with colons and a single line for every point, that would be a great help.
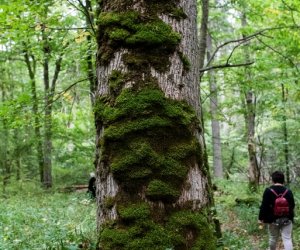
x: 45, y: 220
x: 237, y: 209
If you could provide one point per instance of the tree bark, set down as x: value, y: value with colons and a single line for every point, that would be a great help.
x: 151, y: 166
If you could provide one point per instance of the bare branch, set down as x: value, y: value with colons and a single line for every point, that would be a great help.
x: 226, y: 65
x: 248, y: 38
x: 59, y: 94
x: 85, y: 11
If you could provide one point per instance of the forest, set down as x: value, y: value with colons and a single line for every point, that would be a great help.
x: 182, y: 108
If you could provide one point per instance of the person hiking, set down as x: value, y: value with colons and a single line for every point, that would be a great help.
x: 92, y: 186
x: 277, y: 211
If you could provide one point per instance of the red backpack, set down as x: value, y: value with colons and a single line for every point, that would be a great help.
x: 281, y: 206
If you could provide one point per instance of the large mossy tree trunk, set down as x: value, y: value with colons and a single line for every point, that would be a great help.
x: 153, y: 187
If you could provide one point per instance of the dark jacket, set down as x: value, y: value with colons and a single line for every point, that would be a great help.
x: 92, y: 187
x: 266, y: 209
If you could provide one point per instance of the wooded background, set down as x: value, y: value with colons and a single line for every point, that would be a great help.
x: 249, y: 89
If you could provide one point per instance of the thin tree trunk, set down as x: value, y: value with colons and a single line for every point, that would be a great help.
x: 285, y: 134
x: 250, y: 100
x: 90, y: 53
x: 49, y: 93
x: 215, y: 125
x: 31, y: 67
x: 6, y: 168
x: 203, y: 32
x: 47, y: 167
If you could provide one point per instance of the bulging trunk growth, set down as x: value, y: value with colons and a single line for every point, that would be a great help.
x: 152, y: 178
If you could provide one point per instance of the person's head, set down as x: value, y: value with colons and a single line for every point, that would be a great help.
x: 278, y: 177
x: 92, y: 174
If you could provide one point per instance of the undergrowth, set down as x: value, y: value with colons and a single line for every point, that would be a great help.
x: 237, y: 209
x: 35, y: 219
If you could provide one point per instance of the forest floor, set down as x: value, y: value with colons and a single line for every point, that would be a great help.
x: 31, y: 218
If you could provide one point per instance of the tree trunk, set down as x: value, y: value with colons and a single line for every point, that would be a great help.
x: 285, y: 134
x: 152, y: 176
x: 215, y: 125
x: 47, y: 163
x: 90, y: 53
x: 31, y: 67
x: 49, y: 93
x: 250, y: 101
x: 5, y: 162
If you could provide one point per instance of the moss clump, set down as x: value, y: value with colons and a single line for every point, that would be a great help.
x: 133, y: 212
x: 112, y: 238
x: 116, y: 82
x: 185, y: 222
x: 128, y: 19
x: 160, y: 190
x: 131, y: 119
x: 168, y: 7
x: 129, y: 29
x: 144, y: 233
x: 109, y: 202
x: 177, y: 13
x: 155, y: 33
x: 185, y: 61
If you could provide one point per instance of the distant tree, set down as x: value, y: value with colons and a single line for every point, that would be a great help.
x: 153, y: 184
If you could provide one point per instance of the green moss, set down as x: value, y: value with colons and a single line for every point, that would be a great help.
x: 155, y: 33
x: 112, y: 238
x: 116, y: 81
x: 185, y: 61
x: 128, y: 19
x: 134, y: 212
x: 135, y: 158
x: 160, y: 190
x: 130, y: 29
x: 183, y: 150
x: 144, y: 233
x: 168, y: 7
x: 177, y: 13
x: 118, y: 34
x: 131, y: 119
x: 186, y: 222
x: 109, y: 202
x: 154, y: 237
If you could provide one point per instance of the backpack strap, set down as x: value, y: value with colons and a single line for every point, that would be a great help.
x: 277, y: 195
x: 273, y: 191
x: 284, y: 193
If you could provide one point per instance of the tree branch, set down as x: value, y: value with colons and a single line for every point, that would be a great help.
x: 226, y: 65
x: 85, y: 11
x: 248, y: 38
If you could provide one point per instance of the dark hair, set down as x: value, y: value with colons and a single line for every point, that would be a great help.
x: 278, y: 177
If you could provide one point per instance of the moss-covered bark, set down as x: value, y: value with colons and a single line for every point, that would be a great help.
x: 146, y: 141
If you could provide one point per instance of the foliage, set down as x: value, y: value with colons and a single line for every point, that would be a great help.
x: 33, y: 219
